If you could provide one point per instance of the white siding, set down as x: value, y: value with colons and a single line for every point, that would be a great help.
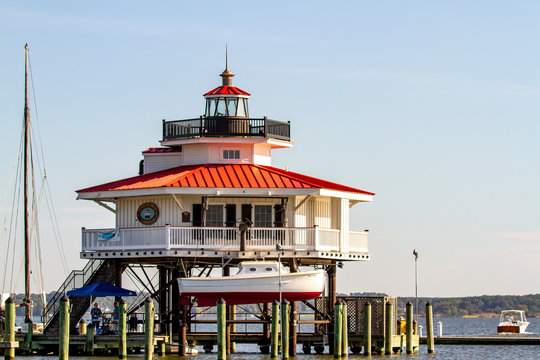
x: 323, y: 213
x: 195, y: 154
x: 153, y: 163
x: 262, y: 154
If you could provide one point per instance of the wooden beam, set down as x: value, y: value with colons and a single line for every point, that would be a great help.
x: 178, y: 202
x: 100, y: 203
x: 302, y: 202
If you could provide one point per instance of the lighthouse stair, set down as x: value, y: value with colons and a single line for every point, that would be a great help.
x: 94, y: 271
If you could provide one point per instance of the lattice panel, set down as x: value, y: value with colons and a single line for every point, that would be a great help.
x: 355, y: 314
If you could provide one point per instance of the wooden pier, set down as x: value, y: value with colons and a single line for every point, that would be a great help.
x: 484, y: 340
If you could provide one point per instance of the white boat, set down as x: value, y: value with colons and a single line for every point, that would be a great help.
x: 512, y: 321
x: 255, y: 282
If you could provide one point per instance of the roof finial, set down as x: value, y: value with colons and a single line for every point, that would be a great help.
x: 227, y: 74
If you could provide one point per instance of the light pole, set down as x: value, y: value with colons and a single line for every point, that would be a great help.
x: 415, y: 253
x: 278, y: 249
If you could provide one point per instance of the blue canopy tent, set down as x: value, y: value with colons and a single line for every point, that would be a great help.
x: 101, y: 289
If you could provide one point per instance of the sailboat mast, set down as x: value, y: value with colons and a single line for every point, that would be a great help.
x: 27, y: 301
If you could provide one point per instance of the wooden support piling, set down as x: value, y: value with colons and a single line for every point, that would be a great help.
x: 332, y: 297
x: 221, y: 330
x: 388, y: 329
x: 182, y: 349
x: 89, y: 341
x: 63, y: 345
x: 367, y: 329
x: 9, y: 334
x: 344, y: 331
x: 409, y: 327
x: 338, y: 323
x: 232, y: 316
x: 149, y: 329
x: 274, y: 340
x: 285, y: 329
x: 122, y: 338
x: 429, y: 329
x: 292, y: 328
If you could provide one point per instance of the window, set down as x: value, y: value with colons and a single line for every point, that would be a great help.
x: 231, y: 154
x: 231, y: 104
x: 263, y: 215
x: 214, y: 215
x: 221, y: 108
x: 211, y: 107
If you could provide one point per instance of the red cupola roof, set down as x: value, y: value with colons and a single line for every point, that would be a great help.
x: 227, y: 90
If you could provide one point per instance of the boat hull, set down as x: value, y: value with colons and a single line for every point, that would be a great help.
x: 515, y: 329
x: 237, y: 290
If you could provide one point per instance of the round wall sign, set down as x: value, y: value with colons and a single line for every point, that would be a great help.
x: 147, y: 213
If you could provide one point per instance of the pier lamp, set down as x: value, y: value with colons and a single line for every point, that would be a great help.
x: 415, y: 253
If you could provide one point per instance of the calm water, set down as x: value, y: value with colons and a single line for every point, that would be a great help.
x: 451, y: 327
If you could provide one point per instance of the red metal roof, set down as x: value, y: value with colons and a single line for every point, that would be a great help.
x: 162, y: 150
x: 227, y: 90
x: 239, y: 176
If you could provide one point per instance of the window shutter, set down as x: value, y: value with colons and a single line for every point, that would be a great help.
x: 246, y: 212
x: 197, y: 214
x: 279, y: 215
x: 230, y: 215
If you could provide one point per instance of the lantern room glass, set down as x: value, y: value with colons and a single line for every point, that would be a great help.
x: 226, y: 106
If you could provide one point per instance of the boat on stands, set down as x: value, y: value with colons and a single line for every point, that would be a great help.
x: 255, y: 282
x: 512, y: 321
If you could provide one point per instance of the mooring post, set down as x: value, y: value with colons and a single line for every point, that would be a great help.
x: 338, y: 324
x: 28, y: 335
x: 161, y: 347
x: 367, y: 329
x: 122, y: 337
x: 89, y: 342
x: 63, y: 351
x: 344, y: 330
x: 9, y: 334
x: 388, y: 329
x: 409, y: 327
x: 82, y: 327
x: 429, y: 329
x: 221, y: 325
x: 148, y: 329
x: 274, y: 340
x: 285, y: 329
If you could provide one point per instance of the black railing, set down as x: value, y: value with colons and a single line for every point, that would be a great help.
x: 226, y: 126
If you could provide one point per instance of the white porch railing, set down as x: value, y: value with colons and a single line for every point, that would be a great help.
x: 358, y: 241
x: 218, y: 238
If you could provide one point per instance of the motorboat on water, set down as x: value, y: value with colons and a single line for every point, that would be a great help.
x: 255, y: 282
x: 512, y: 321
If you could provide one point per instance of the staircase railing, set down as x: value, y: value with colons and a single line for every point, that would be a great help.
x: 76, y: 279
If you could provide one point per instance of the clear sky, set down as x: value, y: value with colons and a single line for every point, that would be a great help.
x: 432, y: 105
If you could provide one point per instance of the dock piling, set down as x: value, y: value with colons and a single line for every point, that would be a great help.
x: 388, y: 329
x: 122, y: 337
x: 338, y: 324
x: 63, y: 350
x: 367, y: 329
x: 285, y: 329
x: 89, y: 343
x: 344, y: 331
x: 149, y: 330
x: 429, y: 329
x: 409, y: 327
x: 9, y: 335
x: 274, y: 340
x: 221, y: 329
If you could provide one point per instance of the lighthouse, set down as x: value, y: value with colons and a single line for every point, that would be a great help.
x: 209, y: 197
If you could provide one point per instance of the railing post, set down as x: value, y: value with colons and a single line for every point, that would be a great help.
x: 163, y: 122
x: 201, y: 126
x: 265, y: 126
x: 316, y: 234
x: 168, y: 236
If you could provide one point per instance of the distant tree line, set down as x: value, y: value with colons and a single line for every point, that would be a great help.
x: 476, y: 305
